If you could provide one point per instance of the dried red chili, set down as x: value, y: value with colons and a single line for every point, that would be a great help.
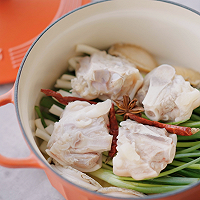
x: 178, y: 130
x: 113, y: 126
x: 64, y: 100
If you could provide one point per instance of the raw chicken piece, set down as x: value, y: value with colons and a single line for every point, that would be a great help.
x: 167, y: 96
x: 105, y: 76
x: 81, y: 135
x: 143, y: 151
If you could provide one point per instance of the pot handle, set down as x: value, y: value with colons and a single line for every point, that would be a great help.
x: 28, y: 162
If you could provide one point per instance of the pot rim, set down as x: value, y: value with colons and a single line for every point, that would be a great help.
x: 154, y: 196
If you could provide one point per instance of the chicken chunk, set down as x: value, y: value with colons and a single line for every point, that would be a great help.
x: 104, y: 76
x: 81, y: 135
x: 143, y: 150
x: 167, y: 96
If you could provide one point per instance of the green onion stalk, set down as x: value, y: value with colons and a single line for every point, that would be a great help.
x: 148, y: 188
x: 184, y: 170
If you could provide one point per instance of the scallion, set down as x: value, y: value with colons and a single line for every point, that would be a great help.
x: 37, y: 109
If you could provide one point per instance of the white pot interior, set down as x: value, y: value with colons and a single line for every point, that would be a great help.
x: 168, y: 31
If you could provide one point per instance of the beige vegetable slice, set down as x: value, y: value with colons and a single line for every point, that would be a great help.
x: 43, y: 147
x: 43, y: 135
x: 77, y: 177
x: 120, y: 192
x: 56, y: 110
x: 60, y: 83
x: 143, y: 60
x: 190, y: 75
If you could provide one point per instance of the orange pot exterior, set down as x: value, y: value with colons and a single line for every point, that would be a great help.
x: 14, y: 18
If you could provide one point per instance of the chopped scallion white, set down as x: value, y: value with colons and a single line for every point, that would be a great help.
x: 43, y: 147
x: 73, y: 63
x: 63, y: 84
x: 42, y: 134
x: 56, y: 110
x: 86, y: 49
x: 49, y: 129
x: 39, y: 125
x: 64, y: 93
x: 67, y: 77
x: 48, y: 122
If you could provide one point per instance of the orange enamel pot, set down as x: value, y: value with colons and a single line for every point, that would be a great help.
x: 169, y: 31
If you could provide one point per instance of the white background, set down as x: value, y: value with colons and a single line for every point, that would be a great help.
x: 29, y: 184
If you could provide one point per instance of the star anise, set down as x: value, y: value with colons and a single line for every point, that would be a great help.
x: 128, y: 106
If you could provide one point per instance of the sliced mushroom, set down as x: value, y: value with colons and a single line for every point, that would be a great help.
x: 143, y: 60
x: 189, y: 75
x: 77, y: 177
x: 120, y: 192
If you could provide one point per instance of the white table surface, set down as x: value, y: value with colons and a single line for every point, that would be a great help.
x: 29, y: 184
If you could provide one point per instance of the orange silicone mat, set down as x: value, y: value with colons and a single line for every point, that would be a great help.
x: 21, y: 21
